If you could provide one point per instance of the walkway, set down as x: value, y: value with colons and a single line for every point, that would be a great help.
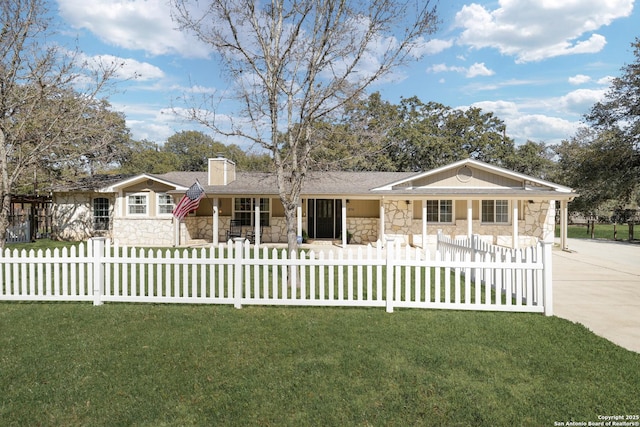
x: 597, y: 284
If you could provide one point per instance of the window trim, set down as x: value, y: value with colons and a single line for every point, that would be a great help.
x: 263, y: 212
x: 146, y: 204
x: 494, y: 213
x: 439, y: 211
x: 107, y: 216
x: 158, y: 204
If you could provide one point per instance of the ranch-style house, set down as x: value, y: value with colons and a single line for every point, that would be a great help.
x: 463, y: 198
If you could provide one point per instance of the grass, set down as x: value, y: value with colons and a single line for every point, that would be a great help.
x: 154, y: 365
x: 601, y: 231
x: 43, y: 244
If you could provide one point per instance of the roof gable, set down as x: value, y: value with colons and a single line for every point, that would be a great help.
x: 143, y: 178
x: 472, y: 174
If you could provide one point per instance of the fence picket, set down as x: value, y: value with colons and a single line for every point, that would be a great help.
x: 475, y: 275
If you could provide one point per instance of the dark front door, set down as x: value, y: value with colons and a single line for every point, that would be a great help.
x: 324, y: 219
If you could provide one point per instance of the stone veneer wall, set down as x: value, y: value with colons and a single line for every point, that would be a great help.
x: 201, y: 228
x: 363, y: 230
x: 538, y: 224
x: 143, y: 231
x: 398, y: 220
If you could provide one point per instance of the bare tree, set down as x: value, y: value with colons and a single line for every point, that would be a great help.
x: 294, y: 63
x: 46, y: 93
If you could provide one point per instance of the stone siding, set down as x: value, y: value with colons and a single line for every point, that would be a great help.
x: 363, y: 230
x: 398, y: 220
x: 538, y: 224
x: 201, y: 228
x: 144, y: 231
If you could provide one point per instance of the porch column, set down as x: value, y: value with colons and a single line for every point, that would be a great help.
x: 469, y: 218
x: 216, y: 224
x: 299, y: 220
x: 381, y: 236
x: 564, y: 221
x: 345, y: 232
x: 514, y: 220
x: 424, y: 224
x: 176, y: 231
x: 256, y: 224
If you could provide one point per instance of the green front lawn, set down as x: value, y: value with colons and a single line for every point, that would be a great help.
x: 151, y: 365
x: 601, y: 231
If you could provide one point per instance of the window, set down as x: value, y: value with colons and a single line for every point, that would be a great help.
x: 244, y: 210
x: 440, y: 211
x: 137, y: 204
x: 165, y: 203
x: 495, y: 211
x: 101, y: 214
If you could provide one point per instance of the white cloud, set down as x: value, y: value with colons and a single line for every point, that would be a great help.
x: 605, y: 80
x: 579, y: 79
x: 540, y: 127
x: 132, y: 24
x: 533, y: 30
x: 442, y: 68
x: 523, y: 126
x: 128, y: 68
x: 477, y: 69
x: 580, y: 101
x: 431, y: 47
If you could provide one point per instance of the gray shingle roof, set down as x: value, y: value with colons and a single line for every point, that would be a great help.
x: 347, y: 184
x: 316, y: 183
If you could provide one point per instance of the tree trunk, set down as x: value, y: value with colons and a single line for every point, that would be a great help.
x: 4, y: 216
x: 5, y: 191
x: 291, y: 216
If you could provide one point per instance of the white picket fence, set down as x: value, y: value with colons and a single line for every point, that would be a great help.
x: 462, y: 275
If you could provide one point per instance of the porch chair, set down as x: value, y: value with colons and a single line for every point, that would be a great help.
x: 250, y: 235
x: 235, y: 229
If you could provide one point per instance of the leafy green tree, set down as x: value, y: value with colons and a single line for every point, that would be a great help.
x: 256, y: 162
x: 192, y: 149
x: 146, y: 157
x: 600, y: 166
x: 360, y: 140
x: 534, y: 159
x: 602, y: 162
x: 621, y: 107
x: 432, y: 135
x: 616, y: 120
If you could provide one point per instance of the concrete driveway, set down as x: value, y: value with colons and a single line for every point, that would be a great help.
x: 597, y: 284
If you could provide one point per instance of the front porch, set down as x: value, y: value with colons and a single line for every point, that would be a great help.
x: 411, y: 222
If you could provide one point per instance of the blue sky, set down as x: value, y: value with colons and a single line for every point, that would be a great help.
x: 539, y: 65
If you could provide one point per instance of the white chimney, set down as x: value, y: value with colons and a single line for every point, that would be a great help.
x: 221, y: 171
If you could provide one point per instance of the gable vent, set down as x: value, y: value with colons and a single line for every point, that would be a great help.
x: 464, y: 174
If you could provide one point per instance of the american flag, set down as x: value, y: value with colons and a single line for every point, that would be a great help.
x: 190, y: 201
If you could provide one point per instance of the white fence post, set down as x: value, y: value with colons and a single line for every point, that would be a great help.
x: 237, y: 273
x: 547, y: 278
x: 97, y: 253
x: 390, y: 276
